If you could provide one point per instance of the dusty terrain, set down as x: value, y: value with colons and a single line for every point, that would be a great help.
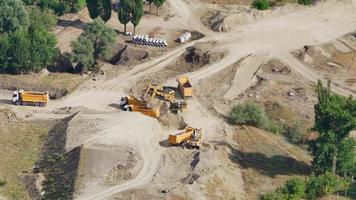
x: 251, y: 55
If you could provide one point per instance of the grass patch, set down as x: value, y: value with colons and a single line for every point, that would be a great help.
x: 19, y: 145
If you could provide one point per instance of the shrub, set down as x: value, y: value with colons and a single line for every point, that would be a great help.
x: 261, y: 4
x: 294, y: 189
x: 305, y: 2
x: 295, y: 133
x: 318, y: 186
x: 248, y: 113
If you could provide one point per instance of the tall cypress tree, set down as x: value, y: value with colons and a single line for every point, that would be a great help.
x: 137, y: 13
x: 124, y: 12
x: 99, y: 8
x: 335, y: 118
x: 158, y: 3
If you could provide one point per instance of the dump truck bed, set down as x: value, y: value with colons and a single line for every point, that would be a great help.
x: 182, y: 136
x: 34, y: 97
x: 185, y: 87
x: 146, y: 111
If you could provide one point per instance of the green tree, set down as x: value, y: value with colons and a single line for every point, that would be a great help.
x: 305, y: 2
x: 13, y: 16
x: 124, y: 12
x: 335, y: 117
x: 261, y: 4
x: 44, y: 19
x: 82, y: 54
x: 93, y: 44
x: 99, y: 8
x: 346, y: 163
x: 18, y: 55
x: 158, y: 3
x: 137, y: 13
x: 23, y: 51
x: 42, y: 49
x: 102, y: 38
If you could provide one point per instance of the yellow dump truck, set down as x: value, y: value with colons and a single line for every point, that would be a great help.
x: 185, y: 87
x: 130, y: 103
x: 21, y: 97
x: 190, y: 137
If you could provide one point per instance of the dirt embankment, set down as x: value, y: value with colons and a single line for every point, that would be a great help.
x: 58, y: 166
x: 224, y: 18
x: 57, y: 84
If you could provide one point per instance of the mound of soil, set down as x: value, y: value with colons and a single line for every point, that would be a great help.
x: 126, y: 55
x: 197, y: 57
x: 275, y: 66
x: 170, y: 120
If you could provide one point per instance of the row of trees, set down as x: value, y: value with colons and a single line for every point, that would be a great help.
x: 25, y: 43
x: 59, y: 7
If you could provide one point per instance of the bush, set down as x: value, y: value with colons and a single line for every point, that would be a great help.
x: 292, y: 190
x: 252, y: 114
x: 305, y: 2
x: 248, y: 113
x: 261, y: 4
x: 318, y: 186
x: 295, y: 133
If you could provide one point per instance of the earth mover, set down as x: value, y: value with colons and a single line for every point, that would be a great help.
x: 21, y: 97
x: 166, y: 94
x: 190, y: 138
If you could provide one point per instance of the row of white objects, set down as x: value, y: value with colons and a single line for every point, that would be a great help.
x: 145, y: 40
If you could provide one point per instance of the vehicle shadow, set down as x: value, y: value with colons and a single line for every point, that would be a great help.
x: 115, y: 105
x: 5, y: 101
x: 165, y: 143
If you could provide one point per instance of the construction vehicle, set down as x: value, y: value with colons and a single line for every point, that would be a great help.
x: 185, y: 87
x: 130, y: 103
x: 190, y: 137
x: 21, y: 97
x: 168, y: 95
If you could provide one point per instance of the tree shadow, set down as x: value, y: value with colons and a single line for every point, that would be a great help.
x: 69, y: 23
x: 269, y: 166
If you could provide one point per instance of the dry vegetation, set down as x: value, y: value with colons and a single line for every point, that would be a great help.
x: 20, y: 144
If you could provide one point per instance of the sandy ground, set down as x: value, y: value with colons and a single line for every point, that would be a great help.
x: 102, y: 127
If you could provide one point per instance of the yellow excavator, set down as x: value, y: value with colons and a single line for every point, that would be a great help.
x: 166, y: 94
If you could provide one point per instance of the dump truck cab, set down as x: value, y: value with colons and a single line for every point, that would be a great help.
x: 16, y: 97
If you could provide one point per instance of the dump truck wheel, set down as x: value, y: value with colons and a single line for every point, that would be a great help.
x: 42, y: 104
x: 37, y: 104
x: 17, y: 103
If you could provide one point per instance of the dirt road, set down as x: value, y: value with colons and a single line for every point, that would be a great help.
x: 256, y: 42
